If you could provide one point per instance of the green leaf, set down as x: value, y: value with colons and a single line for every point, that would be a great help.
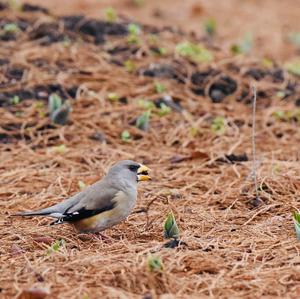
x: 159, y: 87
x: 195, y: 52
x: 110, y: 15
x: 59, y: 149
x: 134, y: 29
x: 61, y: 115
x: 129, y: 66
x: 210, y: 26
x: 113, y: 97
x: 142, y: 121
x: 81, y: 185
x: 296, y: 219
x: 244, y: 46
x: 293, y: 67
x: 11, y: 27
x: 146, y: 104
x: 218, y: 125
x: 154, y: 263
x: 125, y: 136
x: 15, y: 100
x: 54, y: 103
x: 56, y: 246
x: 164, y: 110
x: 171, y: 229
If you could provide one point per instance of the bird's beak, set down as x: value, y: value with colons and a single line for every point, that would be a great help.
x: 143, y: 173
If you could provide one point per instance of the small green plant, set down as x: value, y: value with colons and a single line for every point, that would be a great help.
x: 244, y: 46
x: 110, y: 15
x: 125, y: 136
x: 54, y: 103
x: 134, y: 32
x: 293, y: 67
x: 195, y: 52
x: 218, y: 125
x: 134, y: 29
x: 210, y: 26
x: 81, y: 185
x: 289, y: 115
x: 171, y: 229
x: 142, y: 121
x: 11, y: 27
x: 146, y: 104
x: 59, y: 111
x: 164, y: 109
x: 129, y: 66
x: 160, y: 51
x: 154, y: 263
x: 159, y: 87
x: 56, y: 246
x: 113, y: 97
x: 15, y: 100
x: 296, y: 219
x: 60, y: 149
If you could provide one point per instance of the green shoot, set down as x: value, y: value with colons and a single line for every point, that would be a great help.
x: 110, y: 15
x: 113, y: 97
x: 159, y: 87
x: 146, y: 104
x: 296, y: 219
x: 15, y: 100
x: 11, y: 27
x: 56, y: 246
x: 129, y: 66
x: 244, y: 46
x: 210, y: 26
x: 59, y: 149
x: 171, y: 229
x: 142, y: 121
x: 218, y: 125
x: 154, y: 263
x: 125, y: 136
x: 293, y: 67
x: 164, y: 109
x: 81, y: 185
x: 196, y: 53
x: 134, y: 29
x: 54, y: 103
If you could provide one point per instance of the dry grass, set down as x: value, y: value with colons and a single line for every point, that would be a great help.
x: 233, y: 248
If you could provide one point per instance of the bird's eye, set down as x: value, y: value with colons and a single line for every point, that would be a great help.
x: 134, y: 168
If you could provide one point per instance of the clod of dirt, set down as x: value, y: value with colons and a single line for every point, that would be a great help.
x: 34, y: 8
x: 255, y: 202
x: 98, y: 136
x: 256, y: 73
x: 173, y: 103
x: 297, y: 102
x: 232, y: 158
x: 3, y: 61
x: 163, y: 71
x: 174, y: 243
x: 222, y: 88
x: 199, y: 80
x: 3, y: 6
x: 15, y: 73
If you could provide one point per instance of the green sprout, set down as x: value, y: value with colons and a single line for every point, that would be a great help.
x: 125, y: 136
x: 195, y: 52
x: 59, y: 111
x: 210, y: 26
x: 129, y: 66
x: 59, y: 149
x: 15, y: 100
x: 81, y: 185
x: 110, y: 15
x: 296, y: 219
x: 56, y: 246
x: 54, y: 103
x: 293, y: 67
x: 146, y: 104
x: 11, y: 27
x: 113, y: 97
x: 154, y: 263
x: 164, y: 109
x: 218, y: 125
x: 159, y: 87
x: 134, y: 32
x: 171, y: 229
x: 244, y: 46
x: 142, y: 121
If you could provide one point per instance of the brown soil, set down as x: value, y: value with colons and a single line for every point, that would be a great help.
x: 233, y: 246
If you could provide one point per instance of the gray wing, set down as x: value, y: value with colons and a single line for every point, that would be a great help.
x: 95, y: 199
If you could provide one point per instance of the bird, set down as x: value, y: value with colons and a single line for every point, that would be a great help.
x: 102, y: 205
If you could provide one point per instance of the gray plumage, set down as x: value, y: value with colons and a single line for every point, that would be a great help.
x: 103, y: 204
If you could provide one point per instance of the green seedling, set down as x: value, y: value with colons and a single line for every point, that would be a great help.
x: 61, y: 115
x: 171, y: 229
x: 60, y: 149
x: 142, y: 121
x: 210, y: 26
x: 110, y: 15
x: 146, y: 104
x: 218, y: 125
x: 54, y: 103
x: 293, y: 67
x: 159, y: 87
x: 11, y: 27
x: 129, y: 66
x: 56, y: 246
x: 154, y: 263
x: 15, y: 100
x: 134, y: 29
x: 195, y: 52
x: 125, y: 136
x: 81, y: 185
x: 244, y: 46
x: 113, y: 97
x: 164, y: 110
x: 296, y: 219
